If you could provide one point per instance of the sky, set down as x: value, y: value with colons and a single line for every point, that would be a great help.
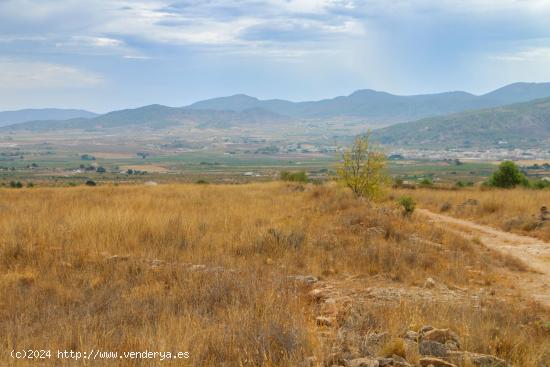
x: 104, y: 55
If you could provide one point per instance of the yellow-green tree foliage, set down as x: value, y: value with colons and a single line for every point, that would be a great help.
x: 363, y: 168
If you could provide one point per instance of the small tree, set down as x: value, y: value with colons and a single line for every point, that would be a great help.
x: 362, y: 168
x: 508, y: 176
x: 408, y: 205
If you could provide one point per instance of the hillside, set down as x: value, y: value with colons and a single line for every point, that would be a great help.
x: 525, y: 124
x: 381, y: 106
x: 14, y: 117
x: 157, y: 116
x: 366, y: 106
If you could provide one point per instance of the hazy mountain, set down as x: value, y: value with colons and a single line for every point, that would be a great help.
x: 366, y: 105
x: 383, y: 107
x: 14, y: 117
x: 524, y: 124
x: 157, y: 116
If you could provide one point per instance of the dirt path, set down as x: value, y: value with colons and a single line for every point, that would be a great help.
x: 532, y: 251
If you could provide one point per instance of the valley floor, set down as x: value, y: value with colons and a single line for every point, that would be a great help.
x: 269, y: 274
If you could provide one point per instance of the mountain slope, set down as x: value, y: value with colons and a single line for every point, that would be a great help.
x: 14, y: 117
x: 156, y: 117
x: 524, y: 124
x: 383, y: 107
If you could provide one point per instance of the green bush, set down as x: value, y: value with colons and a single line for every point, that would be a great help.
x: 299, y: 176
x: 16, y: 184
x: 202, y: 182
x: 426, y: 182
x: 508, y: 176
x: 408, y: 205
x: 90, y: 183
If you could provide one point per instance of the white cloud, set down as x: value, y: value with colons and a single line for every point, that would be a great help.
x: 16, y: 74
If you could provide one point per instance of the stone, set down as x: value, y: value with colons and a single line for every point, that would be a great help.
x: 442, y: 336
x: 364, y: 362
x: 424, y: 329
x: 435, y: 362
x: 382, y: 362
x: 411, y: 335
x: 432, y: 348
x: 476, y: 359
x: 484, y: 360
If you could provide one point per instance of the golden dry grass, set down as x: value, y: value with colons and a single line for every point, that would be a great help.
x: 60, y: 287
x: 514, y: 210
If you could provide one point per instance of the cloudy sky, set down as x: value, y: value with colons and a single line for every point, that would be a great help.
x: 111, y: 54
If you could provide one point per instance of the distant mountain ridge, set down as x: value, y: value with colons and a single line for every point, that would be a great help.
x: 381, y: 106
x: 366, y: 106
x: 14, y: 117
x: 524, y: 124
x: 156, y: 117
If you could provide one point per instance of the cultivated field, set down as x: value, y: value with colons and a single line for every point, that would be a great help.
x: 267, y: 274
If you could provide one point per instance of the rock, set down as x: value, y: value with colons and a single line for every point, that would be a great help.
x: 364, y: 362
x: 399, y: 361
x: 432, y: 348
x: 442, y: 336
x: 411, y: 335
x: 435, y: 362
x: 306, y: 279
x: 429, y: 283
x: 324, y: 321
x: 382, y: 362
x: 374, y: 341
x: 424, y: 329
x: 476, y: 359
x: 150, y: 183
x: 484, y: 360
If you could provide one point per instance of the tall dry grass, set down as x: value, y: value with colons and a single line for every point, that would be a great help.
x: 61, y: 287
x: 515, y: 210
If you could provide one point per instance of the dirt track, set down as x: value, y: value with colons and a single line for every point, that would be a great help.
x: 533, y: 252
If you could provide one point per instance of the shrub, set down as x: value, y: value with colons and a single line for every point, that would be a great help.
x: 363, y: 168
x: 16, y: 184
x: 101, y: 169
x: 408, y: 205
x: 508, y: 176
x: 90, y: 183
x: 300, y: 176
x: 426, y: 182
x: 202, y: 182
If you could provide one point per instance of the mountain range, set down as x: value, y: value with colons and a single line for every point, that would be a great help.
x: 443, y: 119
x: 14, y: 117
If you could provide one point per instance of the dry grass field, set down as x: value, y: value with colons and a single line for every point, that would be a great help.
x: 515, y: 210
x: 207, y: 269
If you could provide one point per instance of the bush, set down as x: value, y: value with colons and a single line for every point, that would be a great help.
x: 101, y: 170
x: 202, y: 182
x: 90, y: 183
x: 540, y: 184
x: 16, y: 184
x: 300, y: 176
x: 508, y: 176
x: 408, y: 205
x: 426, y: 182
